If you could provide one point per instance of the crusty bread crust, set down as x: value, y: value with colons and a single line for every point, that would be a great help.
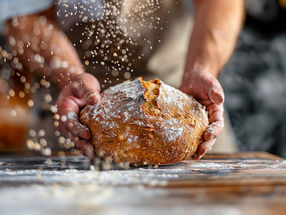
x: 145, y: 123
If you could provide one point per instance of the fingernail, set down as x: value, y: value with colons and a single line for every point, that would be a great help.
x: 215, y: 96
x: 218, y: 99
x: 92, y: 98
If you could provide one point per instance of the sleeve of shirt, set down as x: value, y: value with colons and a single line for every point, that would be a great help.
x: 10, y: 8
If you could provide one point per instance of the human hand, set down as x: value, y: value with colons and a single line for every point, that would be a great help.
x: 80, y: 91
x: 205, y: 87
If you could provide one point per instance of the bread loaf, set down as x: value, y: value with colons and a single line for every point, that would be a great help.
x: 145, y: 123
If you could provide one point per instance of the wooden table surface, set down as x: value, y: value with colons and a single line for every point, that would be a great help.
x: 243, y: 183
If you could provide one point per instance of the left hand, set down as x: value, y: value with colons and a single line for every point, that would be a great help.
x: 205, y: 87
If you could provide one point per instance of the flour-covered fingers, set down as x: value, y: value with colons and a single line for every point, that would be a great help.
x: 203, y: 149
x: 86, y: 147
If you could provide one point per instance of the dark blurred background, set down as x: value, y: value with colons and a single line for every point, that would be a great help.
x: 255, y: 79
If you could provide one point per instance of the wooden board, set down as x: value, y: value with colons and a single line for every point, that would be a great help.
x: 238, y: 184
x: 255, y: 168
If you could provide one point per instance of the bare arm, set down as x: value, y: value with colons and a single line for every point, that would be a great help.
x: 43, y: 48
x: 216, y: 28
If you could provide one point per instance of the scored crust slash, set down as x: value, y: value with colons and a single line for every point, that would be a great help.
x: 145, y: 123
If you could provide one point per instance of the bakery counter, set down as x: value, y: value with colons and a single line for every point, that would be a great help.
x: 243, y: 183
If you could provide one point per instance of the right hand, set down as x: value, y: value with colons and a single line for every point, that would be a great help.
x: 82, y: 90
x: 205, y: 87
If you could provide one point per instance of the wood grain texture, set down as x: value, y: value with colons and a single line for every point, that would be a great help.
x: 254, y: 168
x: 237, y: 184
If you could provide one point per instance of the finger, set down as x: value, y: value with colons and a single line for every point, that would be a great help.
x: 68, y: 110
x: 76, y: 128
x: 86, y: 148
x: 216, y: 95
x: 215, y: 92
x: 92, y: 98
x: 216, y: 120
x: 205, y: 102
x: 66, y: 133
x: 203, y: 149
x: 215, y: 112
x: 87, y: 88
x: 213, y: 130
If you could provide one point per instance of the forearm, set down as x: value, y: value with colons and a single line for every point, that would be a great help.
x: 217, y: 25
x: 43, y: 48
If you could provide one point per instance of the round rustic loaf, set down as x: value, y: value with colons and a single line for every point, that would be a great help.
x: 145, y: 123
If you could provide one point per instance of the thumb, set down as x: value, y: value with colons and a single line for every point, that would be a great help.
x: 91, y: 98
x: 215, y: 92
x: 216, y: 96
x: 87, y: 87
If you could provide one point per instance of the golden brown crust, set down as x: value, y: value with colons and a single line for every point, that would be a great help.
x: 145, y: 123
